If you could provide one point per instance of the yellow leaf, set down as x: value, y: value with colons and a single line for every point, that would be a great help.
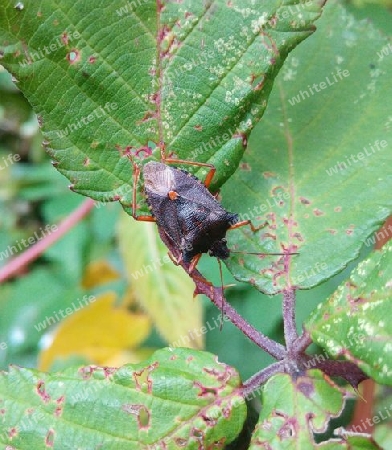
x: 98, y: 273
x: 164, y: 290
x: 97, y: 331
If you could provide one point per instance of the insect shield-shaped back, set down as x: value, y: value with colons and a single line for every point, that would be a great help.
x: 194, y: 221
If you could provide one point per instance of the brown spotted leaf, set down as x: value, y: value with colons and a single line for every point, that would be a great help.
x: 356, y: 322
x: 295, y: 409
x: 318, y: 166
x: 177, y: 399
x: 109, y: 76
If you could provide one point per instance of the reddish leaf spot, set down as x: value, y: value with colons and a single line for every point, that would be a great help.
x: 12, y: 432
x: 141, y: 412
x: 145, y: 149
x: 109, y: 371
x: 205, y: 390
x: 288, y: 429
x: 221, y: 376
x: 65, y: 38
x: 42, y: 392
x: 245, y: 166
x: 290, y: 222
x: 331, y: 230
x: 86, y: 161
x: 87, y: 371
x: 269, y: 235
x: 92, y: 59
x: 226, y: 412
x: 142, y: 377
x: 210, y: 421
x: 195, y: 432
x: 259, y: 83
x: 318, y: 212
x: 338, y: 209
x: 243, y: 137
x: 198, y: 127
x: 298, y: 236
x: 306, y: 388
x: 304, y: 201
x: 49, y: 440
x: 273, y: 21
x: 269, y: 175
x: 181, y: 442
x: 73, y: 56
x: 149, y: 115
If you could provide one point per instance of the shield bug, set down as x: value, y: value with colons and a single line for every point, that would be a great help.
x: 186, y: 211
x: 189, y: 216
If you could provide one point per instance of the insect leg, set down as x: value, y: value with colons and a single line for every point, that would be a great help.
x: 248, y: 222
x: 136, y: 175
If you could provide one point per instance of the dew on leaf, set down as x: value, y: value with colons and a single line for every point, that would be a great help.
x: 19, y: 6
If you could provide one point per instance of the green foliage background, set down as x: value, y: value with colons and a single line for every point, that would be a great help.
x: 32, y: 194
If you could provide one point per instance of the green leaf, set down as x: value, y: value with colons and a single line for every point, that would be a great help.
x: 174, y: 401
x: 356, y: 321
x: 31, y: 307
x: 194, y: 76
x: 162, y: 289
x: 290, y: 174
x: 295, y: 409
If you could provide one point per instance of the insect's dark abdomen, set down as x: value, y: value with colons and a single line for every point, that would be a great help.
x: 193, y: 220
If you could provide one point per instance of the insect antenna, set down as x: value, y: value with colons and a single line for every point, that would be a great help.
x: 222, y: 305
x: 267, y: 254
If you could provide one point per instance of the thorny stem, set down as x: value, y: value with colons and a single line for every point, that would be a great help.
x: 303, y: 341
x: 292, y: 360
x: 216, y: 296
x: 259, y: 378
x: 37, y: 249
x: 290, y: 329
x: 261, y: 340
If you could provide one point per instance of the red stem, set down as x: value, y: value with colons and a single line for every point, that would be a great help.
x: 290, y: 329
x: 33, y: 252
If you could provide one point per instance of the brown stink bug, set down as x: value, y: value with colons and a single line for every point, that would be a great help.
x: 186, y: 212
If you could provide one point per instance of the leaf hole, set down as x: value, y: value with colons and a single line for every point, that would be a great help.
x: 73, y: 56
